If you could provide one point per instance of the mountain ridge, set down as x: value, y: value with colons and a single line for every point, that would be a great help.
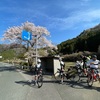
x: 88, y: 40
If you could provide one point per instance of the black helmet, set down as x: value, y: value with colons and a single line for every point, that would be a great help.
x: 94, y: 56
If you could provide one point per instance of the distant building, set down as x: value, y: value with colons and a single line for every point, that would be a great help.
x: 50, y: 64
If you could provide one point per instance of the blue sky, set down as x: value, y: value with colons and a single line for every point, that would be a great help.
x: 64, y: 19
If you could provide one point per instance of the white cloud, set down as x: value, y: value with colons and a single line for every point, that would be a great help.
x: 74, y: 17
x: 85, y: 17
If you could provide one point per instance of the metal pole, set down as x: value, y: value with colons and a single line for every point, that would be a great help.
x: 36, y: 49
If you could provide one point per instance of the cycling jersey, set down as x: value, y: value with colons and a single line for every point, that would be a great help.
x: 62, y: 64
x: 38, y: 68
x: 38, y: 65
x: 93, y: 63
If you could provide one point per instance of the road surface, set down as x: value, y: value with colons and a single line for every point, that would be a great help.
x: 9, y: 90
x: 16, y: 85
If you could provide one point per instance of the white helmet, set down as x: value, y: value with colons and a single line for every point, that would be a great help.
x: 39, y: 60
x: 62, y: 63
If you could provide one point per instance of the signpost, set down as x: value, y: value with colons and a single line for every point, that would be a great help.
x: 27, y: 36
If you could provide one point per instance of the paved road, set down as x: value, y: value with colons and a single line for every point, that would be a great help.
x: 18, y: 87
x: 9, y: 90
x: 68, y: 91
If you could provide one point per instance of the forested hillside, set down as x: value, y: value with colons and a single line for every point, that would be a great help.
x: 88, y: 40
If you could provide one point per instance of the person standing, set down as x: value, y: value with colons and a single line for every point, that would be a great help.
x: 38, y: 69
x: 62, y: 69
x: 93, y: 63
x: 85, y: 60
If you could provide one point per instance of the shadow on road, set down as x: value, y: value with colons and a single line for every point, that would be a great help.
x: 9, y: 68
x: 76, y: 85
x: 28, y: 83
x: 23, y: 82
x: 82, y: 85
x: 28, y: 73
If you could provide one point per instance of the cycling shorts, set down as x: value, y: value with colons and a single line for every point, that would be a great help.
x: 37, y: 71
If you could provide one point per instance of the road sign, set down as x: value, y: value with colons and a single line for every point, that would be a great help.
x: 26, y: 35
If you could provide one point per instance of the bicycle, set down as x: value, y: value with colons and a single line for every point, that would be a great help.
x: 39, y: 80
x: 71, y: 74
x: 92, y: 77
x: 81, y: 71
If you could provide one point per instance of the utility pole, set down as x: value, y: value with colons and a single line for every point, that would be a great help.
x: 36, y: 48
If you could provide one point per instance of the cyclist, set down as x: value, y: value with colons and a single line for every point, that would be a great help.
x: 62, y: 69
x: 79, y: 63
x: 38, y: 69
x: 85, y: 60
x: 93, y: 63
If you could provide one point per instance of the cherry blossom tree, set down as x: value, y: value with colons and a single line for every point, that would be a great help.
x: 39, y: 36
x: 13, y: 35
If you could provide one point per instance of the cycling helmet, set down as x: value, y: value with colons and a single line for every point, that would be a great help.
x: 94, y: 56
x: 39, y: 61
x: 62, y: 63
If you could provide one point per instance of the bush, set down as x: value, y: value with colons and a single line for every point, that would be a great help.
x: 23, y: 63
x: 76, y: 56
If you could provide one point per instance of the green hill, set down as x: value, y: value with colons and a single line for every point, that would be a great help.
x: 8, y: 54
x: 88, y: 40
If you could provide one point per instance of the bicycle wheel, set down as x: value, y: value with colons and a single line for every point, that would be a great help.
x: 75, y: 77
x: 40, y: 81
x: 90, y: 80
x: 57, y: 76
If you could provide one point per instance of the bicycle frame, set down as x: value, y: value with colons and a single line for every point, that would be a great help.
x: 92, y: 77
x: 70, y: 74
x: 39, y: 79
